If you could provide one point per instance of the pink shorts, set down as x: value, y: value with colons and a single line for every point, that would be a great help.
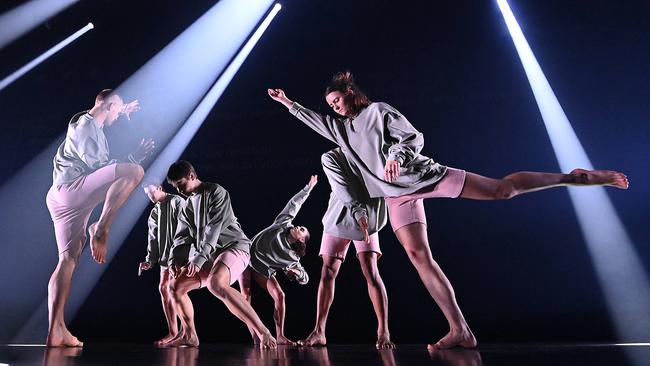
x: 235, y: 259
x: 338, y: 247
x: 71, y: 204
x: 409, y: 208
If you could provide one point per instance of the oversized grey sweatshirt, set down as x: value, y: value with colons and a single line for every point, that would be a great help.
x: 162, y: 223
x: 349, y: 200
x: 271, y: 251
x: 206, y: 227
x: 84, y: 150
x: 379, y: 133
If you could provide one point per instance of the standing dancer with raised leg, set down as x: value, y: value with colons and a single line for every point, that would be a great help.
x: 83, y: 178
x: 349, y: 218
x: 386, y: 147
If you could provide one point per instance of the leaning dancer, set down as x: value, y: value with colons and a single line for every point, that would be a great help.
x: 356, y: 219
x: 83, y: 178
x: 279, y: 247
x: 213, y: 251
x: 162, y: 222
x: 386, y: 147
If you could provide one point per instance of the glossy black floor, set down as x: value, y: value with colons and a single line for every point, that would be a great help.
x: 332, y: 355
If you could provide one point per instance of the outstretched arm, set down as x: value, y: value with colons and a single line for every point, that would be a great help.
x: 323, y: 125
x: 290, y: 211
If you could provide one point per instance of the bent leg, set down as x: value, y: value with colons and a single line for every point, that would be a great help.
x: 179, y: 288
x: 245, y: 289
x: 127, y: 178
x: 273, y: 288
x: 168, y: 307
x: 219, y: 286
x: 483, y: 188
x: 413, y: 238
x: 378, y: 296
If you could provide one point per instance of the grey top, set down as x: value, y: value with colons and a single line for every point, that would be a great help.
x: 83, y: 151
x: 206, y: 227
x: 271, y: 251
x: 349, y: 200
x: 377, y: 134
x: 162, y: 223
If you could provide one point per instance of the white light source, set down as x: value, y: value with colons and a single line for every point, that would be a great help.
x: 32, y: 64
x: 625, y: 284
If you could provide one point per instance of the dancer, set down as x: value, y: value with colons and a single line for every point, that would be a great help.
x: 84, y: 177
x: 386, y: 148
x: 279, y: 247
x: 162, y: 222
x: 350, y: 219
x: 213, y: 251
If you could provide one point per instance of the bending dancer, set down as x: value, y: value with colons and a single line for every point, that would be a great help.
x: 279, y: 247
x: 162, y: 227
x: 213, y: 251
x: 350, y: 218
x: 386, y: 148
x: 83, y: 178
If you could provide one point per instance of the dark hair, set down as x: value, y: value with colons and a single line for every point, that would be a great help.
x: 300, y: 247
x: 179, y: 170
x: 344, y: 82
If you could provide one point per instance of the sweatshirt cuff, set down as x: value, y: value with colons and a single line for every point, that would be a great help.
x: 198, y: 260
x: 397, y: 157
x: 295, y: 108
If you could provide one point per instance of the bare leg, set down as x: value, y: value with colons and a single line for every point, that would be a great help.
x: 414, y: 239
x: 187, y: 335
x: 58, y: 292
x: 378, y: 296
x: 245, y: 289
x: 273, y: 288
x: 128, y: 176
x: 324, y: 301
x: 168, y: 307
x: 482, y: 188
x: 219, y: 285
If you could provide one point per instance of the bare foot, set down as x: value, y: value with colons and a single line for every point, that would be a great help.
x: 268, y: 342
x: 314, y: 339
x: 284, y: 341
x: 600, y: 178
x: 463, y: 338
x: 62, y: 338
x: 165, y: 339
x: 183, y: 340
x: 98, y: 243
x: 383, y: 341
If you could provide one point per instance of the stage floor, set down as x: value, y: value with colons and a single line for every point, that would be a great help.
x: 337, y: 354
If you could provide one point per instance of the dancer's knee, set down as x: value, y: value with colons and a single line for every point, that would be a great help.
x: 217, y: 288
x: 130, y: 171
x: 329, y: 272
x: 505, y: 190
x: 278, y: 296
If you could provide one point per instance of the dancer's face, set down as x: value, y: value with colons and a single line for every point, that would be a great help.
x: 340, y: 102
x: 186, y: 185
x: 299, y: 233
x: 114, y: 106
x: 154, y: 192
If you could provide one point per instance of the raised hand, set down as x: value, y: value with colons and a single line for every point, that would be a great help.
x: 279, y: 96
x: 312, y: 181
x: 145, y: 148
x: 129, y: 108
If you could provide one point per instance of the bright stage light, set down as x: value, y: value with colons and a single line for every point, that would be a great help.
x: 32, y: 64
x: 23, y: 18
x: 165, y: 81
x: 622, y: 277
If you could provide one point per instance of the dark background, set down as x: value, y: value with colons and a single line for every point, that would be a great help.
x: 520, y: 268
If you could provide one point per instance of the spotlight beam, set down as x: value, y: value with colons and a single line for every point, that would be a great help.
x: 19, y: 20
x: 618, y: 267
x: 32, y: 64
